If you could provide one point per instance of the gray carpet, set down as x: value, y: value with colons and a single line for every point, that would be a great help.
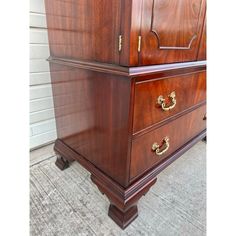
x: 67, y: 203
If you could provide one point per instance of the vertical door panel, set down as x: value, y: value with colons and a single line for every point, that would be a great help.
x: 202, y: 49
x: 171, y: 30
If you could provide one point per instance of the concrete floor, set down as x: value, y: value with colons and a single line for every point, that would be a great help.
x: 67, y: 203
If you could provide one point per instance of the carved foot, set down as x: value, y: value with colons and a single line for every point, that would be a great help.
x: 62, y: 163
x: 204, y: 139
x: 61, y: 149
x: 123, y: 218
x: 123, y: 208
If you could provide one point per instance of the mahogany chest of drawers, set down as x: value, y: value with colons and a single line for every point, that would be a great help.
x: 129, y: 88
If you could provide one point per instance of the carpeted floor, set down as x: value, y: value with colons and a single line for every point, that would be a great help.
x: 67, y: 203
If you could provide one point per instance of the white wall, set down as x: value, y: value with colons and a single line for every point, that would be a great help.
x: 42, y: 119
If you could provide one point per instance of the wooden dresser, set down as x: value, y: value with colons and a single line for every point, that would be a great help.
x: 129, y: 88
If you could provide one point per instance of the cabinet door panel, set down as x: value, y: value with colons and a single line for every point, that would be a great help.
x: 171, y: 30
x: 202, y: 50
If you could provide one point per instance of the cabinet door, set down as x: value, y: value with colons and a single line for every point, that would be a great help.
x: 171, y: 30
x: 202, y: 49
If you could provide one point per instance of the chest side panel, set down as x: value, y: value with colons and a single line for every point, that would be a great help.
x: 92, y: 116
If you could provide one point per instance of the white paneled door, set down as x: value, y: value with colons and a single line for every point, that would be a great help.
x: 42, y: 118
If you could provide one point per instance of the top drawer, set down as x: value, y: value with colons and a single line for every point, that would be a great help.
x: 154, y: 101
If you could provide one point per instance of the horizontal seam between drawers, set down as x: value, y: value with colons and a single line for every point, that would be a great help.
x: 165, y: 121
x: 170, y: 76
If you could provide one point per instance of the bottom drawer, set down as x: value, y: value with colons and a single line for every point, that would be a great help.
x: 151, y: 148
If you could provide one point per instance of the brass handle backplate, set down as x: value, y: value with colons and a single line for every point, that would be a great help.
x: 161, y: 101
x: 161, y: 149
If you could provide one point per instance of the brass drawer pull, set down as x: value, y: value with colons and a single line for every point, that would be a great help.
x: 161, y: 101
x: 161, y: 149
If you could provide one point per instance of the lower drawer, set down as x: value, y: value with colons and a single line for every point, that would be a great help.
x: 150, y: 149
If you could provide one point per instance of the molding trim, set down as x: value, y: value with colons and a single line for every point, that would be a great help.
x: 123, y: 200
x: 130, y: 71
x: 94, y: 66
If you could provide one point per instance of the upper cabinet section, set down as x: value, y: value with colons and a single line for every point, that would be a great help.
x: 84, y: 29
x: 127, y: 32
x: 171, y: 30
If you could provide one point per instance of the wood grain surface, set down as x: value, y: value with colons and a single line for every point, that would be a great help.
x: 86, y: 30
x: 178, y: 131
x: 190, y: 90
x: 92, y: 116
x: 171, y: 30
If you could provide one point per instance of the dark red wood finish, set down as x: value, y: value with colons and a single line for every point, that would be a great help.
x: 202, y: 50
x: 92, y: 116
x: 104, y: 98
x: 84, y: 29
x: 130, y: 29
x: 123, y: 208
x: 89, y: 30
x: 94, y: 108
x: 179, y: 131
x: 190, y: 90
x: 171, y: 30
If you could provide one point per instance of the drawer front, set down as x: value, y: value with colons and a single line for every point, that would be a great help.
x: 179, y: 131
x: 189, y: 90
